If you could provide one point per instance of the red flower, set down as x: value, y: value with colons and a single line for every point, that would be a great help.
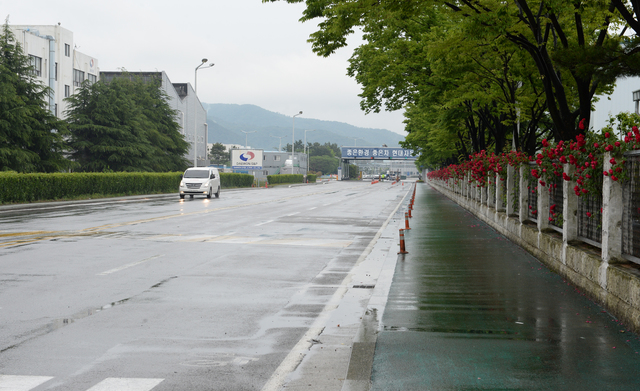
x: 614, y: 177
x: 607, y: 135
x: 613, y: 160
x: 566, y: 177
x: 588, y: 214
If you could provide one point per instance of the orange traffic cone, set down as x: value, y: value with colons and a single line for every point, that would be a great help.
x: 402, y: 248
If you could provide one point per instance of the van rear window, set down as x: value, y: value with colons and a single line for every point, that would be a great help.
x: 196, y: 174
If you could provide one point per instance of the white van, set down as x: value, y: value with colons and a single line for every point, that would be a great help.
x: 200, y: 180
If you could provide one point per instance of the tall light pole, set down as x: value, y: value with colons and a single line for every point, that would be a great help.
x: 280, y: 138
x: 305, y: 149
x: 245, y: 137
x: 355, y: 144
x: 195, y: 119
x: 293, y: 141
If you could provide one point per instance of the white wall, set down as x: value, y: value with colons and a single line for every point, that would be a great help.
x: 34, y: 41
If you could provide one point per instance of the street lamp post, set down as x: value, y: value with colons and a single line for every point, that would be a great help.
x: 293, y: 141
x: 195, y: 120
x: 245, y: 137
x: 355, y: 144
x: 305, y: 149
x: 280, y: 138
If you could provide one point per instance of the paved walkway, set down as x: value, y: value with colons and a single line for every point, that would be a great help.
x: 469, y: 310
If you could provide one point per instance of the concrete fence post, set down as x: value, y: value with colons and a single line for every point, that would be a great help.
x: 543, y: 205
x: 569, y: 206
x: 499, y: 193
x: 612, y: 208
x: 491, y: 192
x: 511, y: 173
x: 523, y: 197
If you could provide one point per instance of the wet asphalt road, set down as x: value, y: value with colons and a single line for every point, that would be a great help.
x: 469, y: 310
x: 181, y: 295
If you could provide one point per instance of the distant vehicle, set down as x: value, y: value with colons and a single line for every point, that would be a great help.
x: 200, y: 181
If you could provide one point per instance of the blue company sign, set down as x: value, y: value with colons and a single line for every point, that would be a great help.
x: 372, y: 153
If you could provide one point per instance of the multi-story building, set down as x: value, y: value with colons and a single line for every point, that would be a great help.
x: 56, y: 62
x: 191, y: 115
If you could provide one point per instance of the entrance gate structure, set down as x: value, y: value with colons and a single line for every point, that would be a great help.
x: 371, y: 153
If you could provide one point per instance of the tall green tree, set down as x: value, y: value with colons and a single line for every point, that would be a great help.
x: 31, y: 137
x: 576, y: 46
x: 324, y: 164
x: 219, y: 154
x: 125, y: 125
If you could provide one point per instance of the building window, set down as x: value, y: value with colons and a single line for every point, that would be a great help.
x: 67, y: 91
x: 55, y: 110
x: 276, y: 158
x: 56, y: 76
x: 78, y: 77
x: 265, y: 172
x: 36, y: 65
x: 67, y: 50
x: 92, y: 78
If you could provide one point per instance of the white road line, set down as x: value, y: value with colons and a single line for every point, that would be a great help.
x: 126, y: 267
x: 21, y: 383
x: 299, y: 351
x: 125, y: 384
x: 315, y: 207
x: 293, y: 214
x: 263, y: 223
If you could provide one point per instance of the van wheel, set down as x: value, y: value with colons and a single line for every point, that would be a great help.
x: 182, y: 196
x: 191, y: 196
x: 218, y: 193
x: 209, y: 193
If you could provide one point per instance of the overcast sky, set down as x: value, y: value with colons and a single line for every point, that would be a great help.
x: 260, y: 51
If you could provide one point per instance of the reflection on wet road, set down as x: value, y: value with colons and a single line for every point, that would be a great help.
x: 468, y: 309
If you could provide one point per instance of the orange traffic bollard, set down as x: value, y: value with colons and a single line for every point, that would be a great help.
x: 406, y: 221
x: 402, y: 249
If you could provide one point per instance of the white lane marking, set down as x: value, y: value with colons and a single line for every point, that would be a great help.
x: 125, y: 384
x: 21, y: 383
x: 263, y: 223
x: 117, y: 269
x: 315, y: 207
x: 293, y: 214
x: 300, y: 350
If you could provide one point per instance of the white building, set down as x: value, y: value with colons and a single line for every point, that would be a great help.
x: 192, y: 117
x: 56, y: 61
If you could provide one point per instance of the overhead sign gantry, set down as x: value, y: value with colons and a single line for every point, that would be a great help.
x: 374, y: 153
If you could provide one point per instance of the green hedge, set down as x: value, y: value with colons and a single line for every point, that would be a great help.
x: 311, y: 178
x: 285, y: 178
x: 235, y: 180
x: 15, y: 187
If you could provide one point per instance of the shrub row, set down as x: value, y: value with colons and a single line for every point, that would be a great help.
x: 311, y: 178
x: 15, y: 187
x: 235, y: 180
x: 285, y: 178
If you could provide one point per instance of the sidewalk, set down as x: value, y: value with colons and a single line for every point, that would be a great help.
x: 468, y: 309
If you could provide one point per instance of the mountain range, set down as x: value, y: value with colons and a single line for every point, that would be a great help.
x: 269, y: 130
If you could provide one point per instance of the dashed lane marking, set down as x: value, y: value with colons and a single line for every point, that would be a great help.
x: 125, y: 384
x: 21, y: 383
x: 117, y: 269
